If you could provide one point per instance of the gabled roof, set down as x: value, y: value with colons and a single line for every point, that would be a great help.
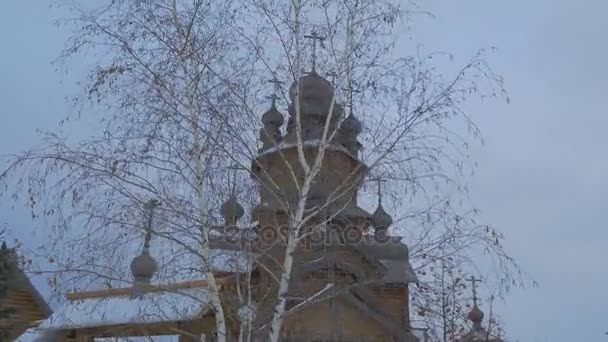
x: 284, y: 145
x: 149, y: 307
x: 398, y: 272
x: 371, y: 259
x: 358, y: 301
x: 38, y: 335
x: 135, y: 305
x: 376, y: 313
x: 20, y: 281
x: 390, y: 259
x: 321, y: 263
x: 393, y: 255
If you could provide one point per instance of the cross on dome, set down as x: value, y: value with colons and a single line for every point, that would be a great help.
x: 380, y: 218
x: 315, y: 38
x: 379, y: 182
x: 333, y: 76
x: 474, y: 282
x: 276, y: 88
x: 273, y: 98
x: 475, y: 315
x: 350, y: 90
x: 149, y: 206
x: 144, y: 265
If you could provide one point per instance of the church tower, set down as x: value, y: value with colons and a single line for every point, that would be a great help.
x: 350, y: 277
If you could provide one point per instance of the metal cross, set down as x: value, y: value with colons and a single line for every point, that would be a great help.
x: 350, y: 91
x: 474, y: 282
x: 273, y: 98
x: 333, y: 76
x: 315, y: 37
x: 379, y: 181
x: 277, y: 87
x: 235, y: 168
x: 149, y: 206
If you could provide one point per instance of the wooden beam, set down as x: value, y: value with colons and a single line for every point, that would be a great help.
x: 202, y: 325
x: 124, y: 291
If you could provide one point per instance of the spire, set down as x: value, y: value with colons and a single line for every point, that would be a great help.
x: 144, y: 266
x: 315, y: 38
x: 475, y: 315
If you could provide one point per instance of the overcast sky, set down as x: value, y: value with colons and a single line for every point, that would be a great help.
x: 543, y: 174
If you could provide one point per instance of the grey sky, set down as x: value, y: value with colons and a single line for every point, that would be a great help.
x: 542, y: 176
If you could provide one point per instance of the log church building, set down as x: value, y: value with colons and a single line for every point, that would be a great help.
x: 350, y: 280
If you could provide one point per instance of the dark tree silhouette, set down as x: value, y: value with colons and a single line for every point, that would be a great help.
x: 7, y: 268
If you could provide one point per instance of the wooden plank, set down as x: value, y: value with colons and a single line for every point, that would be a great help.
x: 199, y: 326
x: 124, y: 291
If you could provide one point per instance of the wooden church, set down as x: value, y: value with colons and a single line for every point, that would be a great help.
x: 350, y: 280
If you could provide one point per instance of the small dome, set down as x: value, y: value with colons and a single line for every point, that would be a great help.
x: 143, y: 267
x: 352, y: 124
x: 231, y: 210
x: 476, y: 315
x: 312, y: 86
x: 478, y: 333
x: 380, y: 218
x: 272, y: 117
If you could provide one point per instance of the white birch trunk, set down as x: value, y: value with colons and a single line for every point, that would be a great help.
x: 214, y: 293
x: 279, y: 311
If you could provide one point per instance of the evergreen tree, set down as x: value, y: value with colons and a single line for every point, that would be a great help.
x: 7, y: 269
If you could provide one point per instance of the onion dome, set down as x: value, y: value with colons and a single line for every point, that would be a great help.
x: 231, y: 210
x: 312, y: 87
x: 381, y: 219
x: 143, y: 267
x: 272, y: 117
x: 478, y: 333
x: 476, y: 316
x: 352, y: 125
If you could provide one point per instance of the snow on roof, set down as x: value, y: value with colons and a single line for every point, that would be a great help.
x: 314, y: 143
x: 228, y: 261
x: 38, y: 335
x: 166, y: 338
x: 151, y: 307
x: 30, y: 335
x: 420, y: 333
x: 399, y: 271
x: 192, y: 267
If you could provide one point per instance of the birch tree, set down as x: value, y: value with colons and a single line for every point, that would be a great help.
x: 160, y: 80
x: 175, y: 87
